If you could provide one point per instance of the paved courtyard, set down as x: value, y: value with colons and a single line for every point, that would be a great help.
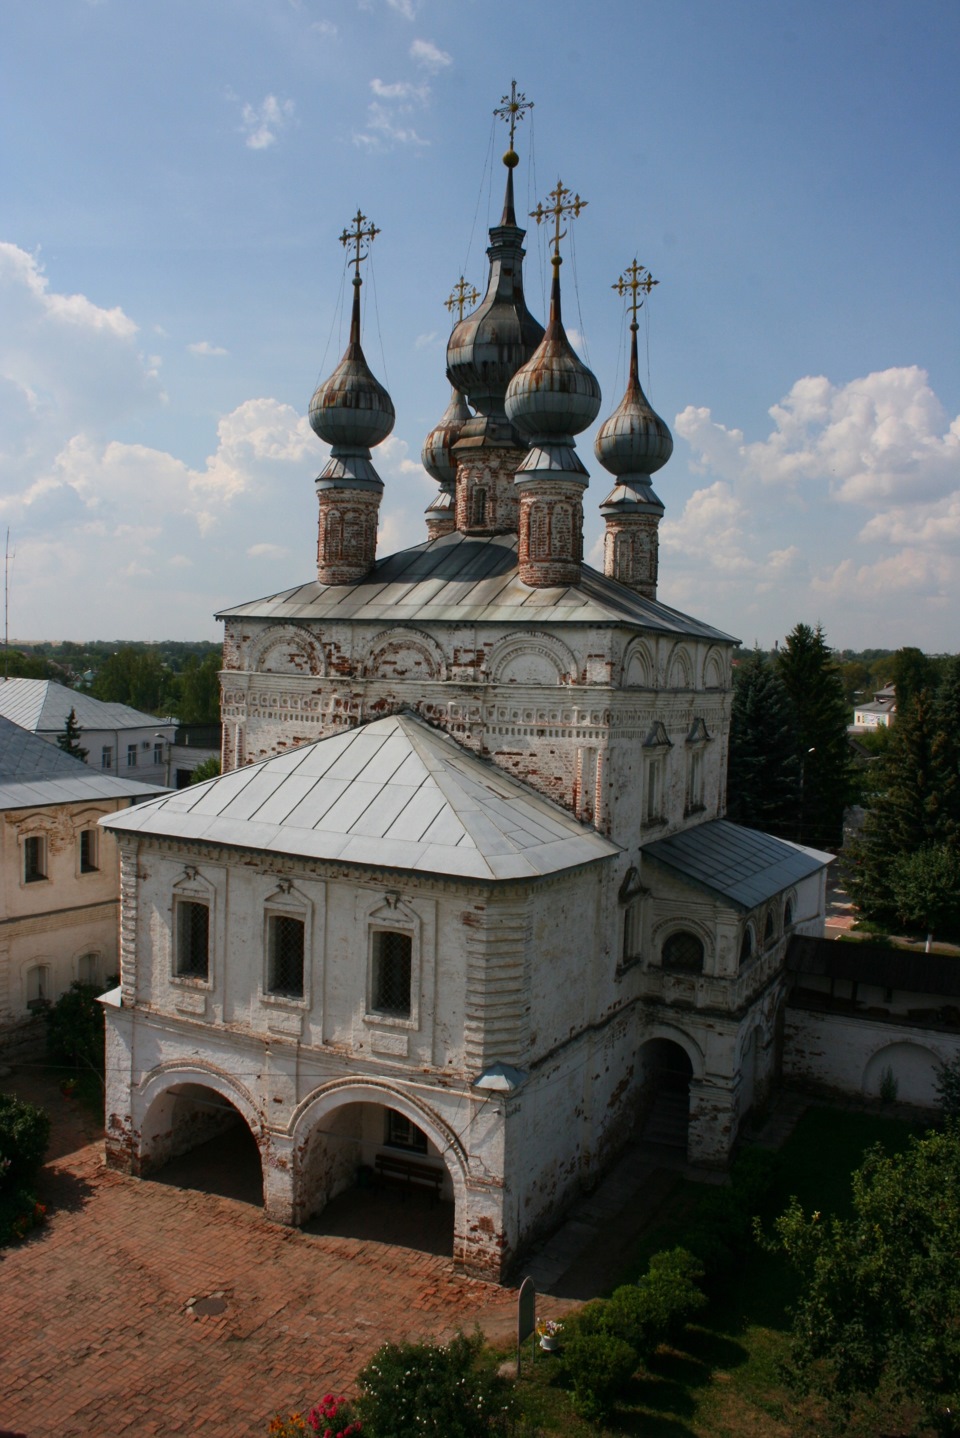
x: 148, y: 1309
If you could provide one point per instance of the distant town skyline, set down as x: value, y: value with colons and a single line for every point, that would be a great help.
x: 172, y: 287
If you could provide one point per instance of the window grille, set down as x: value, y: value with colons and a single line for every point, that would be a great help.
x: 88, y: 851
x: 683, y: 953
x: 34, y: 859
x: 285, y: 956
x: 193, y: 939
x: 402, y: 1133
x: 392, y: 965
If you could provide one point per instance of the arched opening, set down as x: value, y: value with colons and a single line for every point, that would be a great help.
x: 667, y: 1072
x: 904, y: 1071
x: 368, y: 1171
x: 193, y: 1137
x: 682, y: 953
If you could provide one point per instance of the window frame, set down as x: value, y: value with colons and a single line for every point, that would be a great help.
x: 106, y: 757
x: 273, y: 917
x: 44, y: 985
x: 387, y: 1017
x: 191, y: 975
x: 394, y: 1124
x: 670, y: 966
x: 37, y: 872
x: 131, y: 756
x: 90, y: 864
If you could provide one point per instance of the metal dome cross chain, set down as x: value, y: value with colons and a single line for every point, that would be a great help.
x: 463, y: 294
x: 635, y: 277
x: 561, y: 206
x: 361, y: 239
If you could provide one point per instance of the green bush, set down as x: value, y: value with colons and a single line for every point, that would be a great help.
x: 24, y: 1136
x: 75, y: 1028
x: 19, y: 1212
x: 411, y: 1388
x: 598, y: 1367
x: 721, y: 1230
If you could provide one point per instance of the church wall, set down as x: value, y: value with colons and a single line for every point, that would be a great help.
x: 847, y: 1054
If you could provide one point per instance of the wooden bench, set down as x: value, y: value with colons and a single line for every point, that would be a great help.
x: 408, y: 1171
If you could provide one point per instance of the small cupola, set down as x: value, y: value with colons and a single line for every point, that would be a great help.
x: 549, y: 400
x: 437, y: 455
x: 633, y: 444
x: 352, y: 412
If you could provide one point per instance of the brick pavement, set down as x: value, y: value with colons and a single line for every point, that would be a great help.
x: 96, y: 1332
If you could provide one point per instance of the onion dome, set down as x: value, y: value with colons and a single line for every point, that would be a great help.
x: 437, y: 454
x: 634, y: 441
x: 554, y: 395
x: 352, y: 410
x: 489, y: 345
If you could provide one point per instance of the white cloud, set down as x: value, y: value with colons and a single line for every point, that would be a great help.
x: 430, y: 56
x: 204, y: 347
x: 400, y: 90
x: 325, y: 28
x: 406, y: 8
x: 267, y: 551
x: 383, y: 131
x: 263, y: 123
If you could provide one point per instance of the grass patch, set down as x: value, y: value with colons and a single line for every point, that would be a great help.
x: 723, y: 1379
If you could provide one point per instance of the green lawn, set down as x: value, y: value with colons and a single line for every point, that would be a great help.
x: 725, y: 1383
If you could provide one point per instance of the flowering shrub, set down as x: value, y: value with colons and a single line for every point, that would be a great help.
x: 330, y: 1418
x: 548, y: 1327
x: 433, y: 1388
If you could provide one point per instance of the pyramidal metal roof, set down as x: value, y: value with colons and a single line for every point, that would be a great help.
x: 469, y: 578
x: 744, y: 866
x: 393, y: 793
x: 43, y: 707
x: 34, y: 772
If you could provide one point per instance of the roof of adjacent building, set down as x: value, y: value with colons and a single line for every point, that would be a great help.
x: 34, y: 772
x: 742, y: 865
x: 393, y: 793
x: 464, y: 578
x: 43, y: 707
x: 878, y: 965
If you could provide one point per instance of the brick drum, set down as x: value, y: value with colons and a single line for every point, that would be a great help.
x: 97, y: 1329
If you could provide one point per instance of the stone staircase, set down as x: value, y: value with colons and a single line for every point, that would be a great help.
x: 666, y: 1121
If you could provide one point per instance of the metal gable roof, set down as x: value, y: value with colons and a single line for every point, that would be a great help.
x: 393, y: 793
x: 742, y: 865
x: 42, y: 706
x: 462, y: 578
x: 34, y: 772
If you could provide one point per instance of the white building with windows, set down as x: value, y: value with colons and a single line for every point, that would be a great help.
x: 119, y: 740
x: 464, y: 897
x: 60, y: 877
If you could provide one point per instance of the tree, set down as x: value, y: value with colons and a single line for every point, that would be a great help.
x: 763, y: 772
x: 879, y: 1307
x: 925, y: 888
x: 209, y: 769
x: 69, y: 740
x: 133, y: 676
x: 810, y: 676
x: 912, y: 672
x: 198, y: 690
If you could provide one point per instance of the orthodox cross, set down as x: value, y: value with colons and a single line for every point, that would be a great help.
x: 635, y: 278
x: 561, y: 206
x: 463, y: 294
x: 511, y: 108
x: 361, y: 239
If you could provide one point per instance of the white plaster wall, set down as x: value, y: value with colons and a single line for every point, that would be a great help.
x: 847, y: 1054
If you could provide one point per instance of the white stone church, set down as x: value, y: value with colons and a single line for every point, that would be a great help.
x: 463, y: 906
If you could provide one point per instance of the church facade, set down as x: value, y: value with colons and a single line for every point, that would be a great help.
x: 464, y: 897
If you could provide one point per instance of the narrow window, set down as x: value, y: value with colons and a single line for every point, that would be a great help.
x: 392, y: 963
x: 88, y: 968
x: 631, y: 931
x: 34, y: 859
x: 695, y: 781
x: 746, y: 947
x: 401, y: 1133
x: 683, y: 953
x: 192, y: 939
x: 479, y: 515
x: 38, y: 986
x: 788, y: 914
x: 106, y: 757
x: 285, y: 956
x: 158, y: 753
x: 88, y: 851
x: 131, y: 756
x: 654, y: 789
x: 769, y: 932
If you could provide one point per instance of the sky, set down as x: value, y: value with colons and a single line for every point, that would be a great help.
x: 174, y: 178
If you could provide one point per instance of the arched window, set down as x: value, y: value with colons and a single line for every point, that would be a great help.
x: 682, y: 953
x: 479, y: 508
x: 769, y: 931
x: 788, y: 914
x: 746, y: 946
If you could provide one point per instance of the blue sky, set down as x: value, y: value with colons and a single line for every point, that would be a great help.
x: 176, y: 175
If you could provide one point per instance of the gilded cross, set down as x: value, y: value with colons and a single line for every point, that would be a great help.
x: 463, y: 294
x: 562, y: 205
x: 511, y: 108
x: 635, y: 278
x: 361, y: 239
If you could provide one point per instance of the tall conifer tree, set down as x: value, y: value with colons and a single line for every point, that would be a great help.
x: 812, y: 680
x: 763, y: 773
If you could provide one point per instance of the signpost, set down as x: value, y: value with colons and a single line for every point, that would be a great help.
x: 526, y: 1314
